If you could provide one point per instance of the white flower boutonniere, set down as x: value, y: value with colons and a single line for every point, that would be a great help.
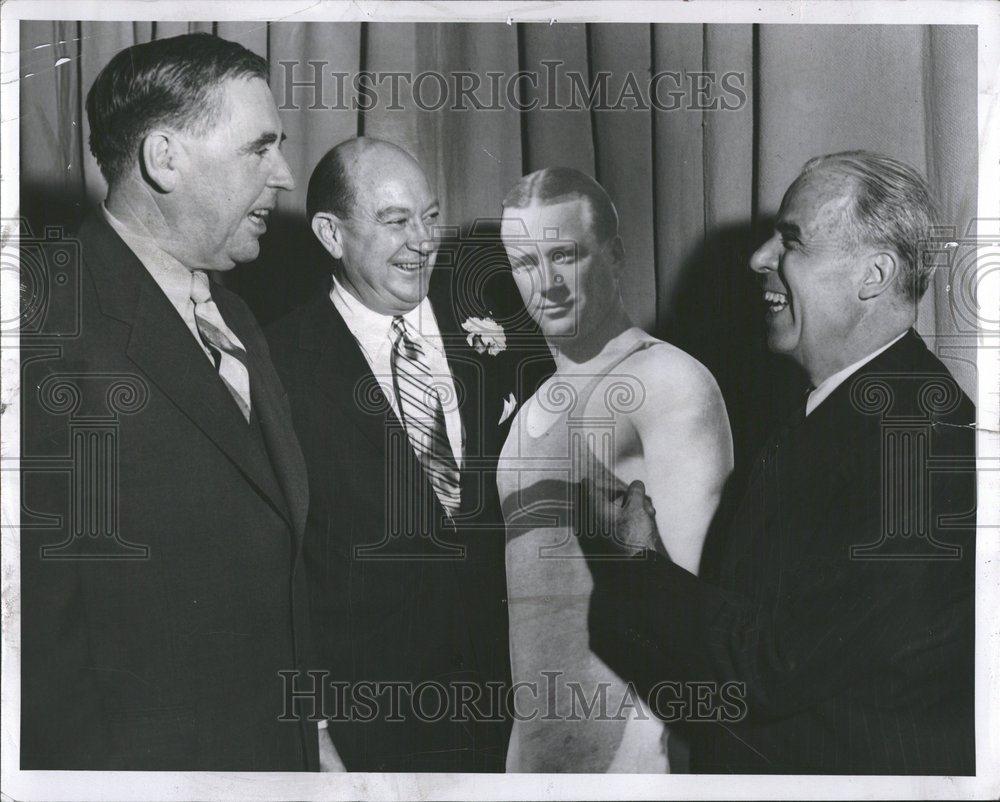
x: 485, y: 335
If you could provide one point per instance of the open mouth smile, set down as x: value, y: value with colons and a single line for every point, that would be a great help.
x: 410, y: 267
x: 776, y: 301
x: 259, y: 218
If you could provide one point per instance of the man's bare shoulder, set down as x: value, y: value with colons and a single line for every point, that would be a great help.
x: 672, y: 379
x: 680, y: 408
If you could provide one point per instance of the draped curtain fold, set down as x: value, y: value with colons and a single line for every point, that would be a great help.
x: 694, y: 188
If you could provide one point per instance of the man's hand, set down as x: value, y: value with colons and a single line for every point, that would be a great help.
x: 616, y: 523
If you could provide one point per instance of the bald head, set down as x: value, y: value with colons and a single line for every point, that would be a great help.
x: 372, y: 209
x: 351, y: 163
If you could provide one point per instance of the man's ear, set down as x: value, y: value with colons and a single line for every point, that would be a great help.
x: 330, y: 233
x: 880, y: 272
x: 159, y: 159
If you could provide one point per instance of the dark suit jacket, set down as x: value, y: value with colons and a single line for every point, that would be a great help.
x: 396, y: 594
x: 841, y: 598
x: 162, y: 589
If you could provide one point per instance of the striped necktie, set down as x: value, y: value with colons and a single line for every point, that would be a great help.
x: 228, y: 352
x: 423, y: 416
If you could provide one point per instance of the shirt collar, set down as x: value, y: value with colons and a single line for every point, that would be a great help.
x: 831, y: 383
x: 171, y: 276
x: 373, y: 329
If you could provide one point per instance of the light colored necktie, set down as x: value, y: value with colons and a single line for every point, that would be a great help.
x: 423, y: 416
x: 228, y: 352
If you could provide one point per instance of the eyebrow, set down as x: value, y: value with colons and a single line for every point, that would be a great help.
x: 529, y: 255
x: 262, y: 141
x: 389, y: 211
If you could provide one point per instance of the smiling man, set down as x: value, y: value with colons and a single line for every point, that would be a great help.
x: 827, y: 308
x: 400, y: 424
x: 160, y: 597
x: 841, y: 600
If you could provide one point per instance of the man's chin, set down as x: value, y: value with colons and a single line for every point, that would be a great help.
x: 411, y: 293
x: 244, y: 254
x: 408, y: 303
x: 781, y: 341
x: 558, y: 335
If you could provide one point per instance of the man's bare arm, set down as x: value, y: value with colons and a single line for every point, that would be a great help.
x: 687, y: 449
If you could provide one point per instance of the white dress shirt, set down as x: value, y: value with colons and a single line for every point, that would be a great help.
x: 831, y: 383
x: 373, y: 331
x: 170, y: 275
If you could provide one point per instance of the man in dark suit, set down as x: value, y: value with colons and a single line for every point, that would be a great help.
x: 400, y: 421
x: 161, y: 590
x: 835, y: 622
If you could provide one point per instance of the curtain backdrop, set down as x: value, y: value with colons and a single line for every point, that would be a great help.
x: 695, y: 188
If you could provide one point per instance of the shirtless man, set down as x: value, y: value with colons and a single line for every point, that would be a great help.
x: 637, y: 407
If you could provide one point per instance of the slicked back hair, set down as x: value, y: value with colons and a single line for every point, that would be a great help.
x: 552, y: 185
x: 893, y: 207
x: 173, y: 82
x: 330, y: 187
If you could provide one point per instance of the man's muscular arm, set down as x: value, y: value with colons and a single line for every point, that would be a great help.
x: 687, y: 447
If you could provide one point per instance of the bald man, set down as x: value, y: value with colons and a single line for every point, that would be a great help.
x: 399, y: 419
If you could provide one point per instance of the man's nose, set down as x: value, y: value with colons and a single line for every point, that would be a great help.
x: 765, y: 258
x: 422, y: 238
x: 281, y: 176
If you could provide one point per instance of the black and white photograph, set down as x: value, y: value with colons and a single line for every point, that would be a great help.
x: 500, y: 400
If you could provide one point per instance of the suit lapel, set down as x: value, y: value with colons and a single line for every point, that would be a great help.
x: 282, y: 445
x: 899, y: 359
x: 343, y: 375
x: 274, y: 416
x: 161, y: 345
